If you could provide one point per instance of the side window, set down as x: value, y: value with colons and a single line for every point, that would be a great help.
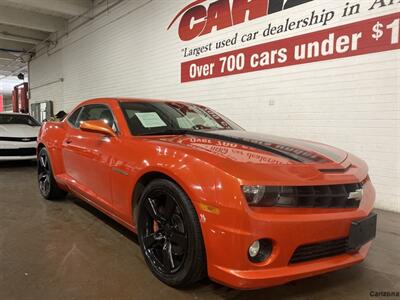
x: 74, y: 117
x: 98, y: 112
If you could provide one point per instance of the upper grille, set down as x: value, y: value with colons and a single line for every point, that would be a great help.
x: 319, y: 250
x: 18, y: 139
x: 18, y: 152
x: 325, y: 196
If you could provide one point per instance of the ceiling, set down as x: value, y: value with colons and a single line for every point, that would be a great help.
x: 26, y: 23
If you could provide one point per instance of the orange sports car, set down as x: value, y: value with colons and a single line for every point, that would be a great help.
x: 207, y: 198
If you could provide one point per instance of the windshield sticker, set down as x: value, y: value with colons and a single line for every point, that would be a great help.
x: 150, y: 119
x: 184, y: 123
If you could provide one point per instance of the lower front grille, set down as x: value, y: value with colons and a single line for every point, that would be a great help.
x: 319, y: 250
x: 18, y: 152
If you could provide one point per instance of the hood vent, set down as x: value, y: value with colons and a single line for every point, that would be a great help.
x: 336, y: 170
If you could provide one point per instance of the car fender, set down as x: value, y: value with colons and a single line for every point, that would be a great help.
x: 51, y: 136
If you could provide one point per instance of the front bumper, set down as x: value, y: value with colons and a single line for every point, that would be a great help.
x: 288, y: 229
x: 254, y: 279
x: 17, y: 150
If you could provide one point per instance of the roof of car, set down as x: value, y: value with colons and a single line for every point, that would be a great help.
x: 125, y: 100
x: 142, y: 100
x: 12, y: 113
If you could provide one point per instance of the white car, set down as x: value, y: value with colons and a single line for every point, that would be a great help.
x: 18, y: 134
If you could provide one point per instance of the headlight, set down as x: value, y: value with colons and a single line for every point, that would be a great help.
x: 258, y: 195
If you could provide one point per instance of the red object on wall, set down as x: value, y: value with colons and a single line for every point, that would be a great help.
x: 23, y: 98
x: 1, y: 103
x: 20, y: 101
x: 14, y: 100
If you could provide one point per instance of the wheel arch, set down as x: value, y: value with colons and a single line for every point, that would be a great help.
x: 141, y: 184
x: 198, y: 183
x: 40, y: 146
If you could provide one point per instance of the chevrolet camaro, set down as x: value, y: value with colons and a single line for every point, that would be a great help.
x: 206, y: 197
x: 18, y: 133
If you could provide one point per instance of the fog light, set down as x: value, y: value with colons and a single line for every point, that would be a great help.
x: 260, y: 250
x: 254, y: 249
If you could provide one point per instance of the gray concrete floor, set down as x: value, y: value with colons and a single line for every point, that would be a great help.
x: 68, y: 250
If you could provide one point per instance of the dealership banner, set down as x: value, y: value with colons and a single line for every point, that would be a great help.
x: 201, y: 19
x: 374, y: 35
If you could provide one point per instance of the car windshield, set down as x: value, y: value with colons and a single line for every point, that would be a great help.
x: 153, y: 118
x: 18, y: 119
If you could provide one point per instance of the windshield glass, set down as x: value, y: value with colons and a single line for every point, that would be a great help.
x: 18, y: 119
x: 167, y: 117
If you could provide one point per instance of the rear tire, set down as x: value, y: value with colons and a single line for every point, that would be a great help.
x: 47, y: 184
x: 170, y: 235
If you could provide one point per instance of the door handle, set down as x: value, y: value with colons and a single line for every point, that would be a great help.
x: 68, y: 142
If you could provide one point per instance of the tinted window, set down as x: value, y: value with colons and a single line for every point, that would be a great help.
x: 18, y: 119
x: 73, y: 118
x: 97, y: 112
x: 153, y: 117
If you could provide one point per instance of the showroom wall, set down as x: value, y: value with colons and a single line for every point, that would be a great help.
x: 313, y: 69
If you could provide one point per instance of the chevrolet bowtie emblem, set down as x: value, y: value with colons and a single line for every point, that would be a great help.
x: 356, y: 195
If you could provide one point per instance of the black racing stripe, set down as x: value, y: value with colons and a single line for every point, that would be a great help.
x: 245, y: 143
x: 323, y: 151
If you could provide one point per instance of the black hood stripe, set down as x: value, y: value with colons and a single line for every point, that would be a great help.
x: 249, y: 143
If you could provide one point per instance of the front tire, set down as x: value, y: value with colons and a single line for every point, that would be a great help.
x: 47, y: 184
x: 170, y: 234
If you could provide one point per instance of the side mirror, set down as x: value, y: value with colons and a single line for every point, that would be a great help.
x: 97, y: 126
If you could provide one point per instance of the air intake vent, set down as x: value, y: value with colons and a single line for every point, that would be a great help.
x: 319, y: 250
x: 18, y: 152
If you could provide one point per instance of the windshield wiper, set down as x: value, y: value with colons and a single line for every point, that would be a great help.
x: 170, y: 131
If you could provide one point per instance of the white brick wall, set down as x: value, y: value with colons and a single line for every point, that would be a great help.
x: 352, y: 103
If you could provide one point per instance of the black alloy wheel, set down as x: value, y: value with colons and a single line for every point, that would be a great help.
x: 170, y: 235
x: 47, y: 184
x: 44, y: 173
x: 165, y: 239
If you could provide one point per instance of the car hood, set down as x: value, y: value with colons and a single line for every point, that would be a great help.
x: 249, y: 147
x: 17, y: 130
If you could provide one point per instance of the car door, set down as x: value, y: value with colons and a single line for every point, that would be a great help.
x: 87, y: 155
